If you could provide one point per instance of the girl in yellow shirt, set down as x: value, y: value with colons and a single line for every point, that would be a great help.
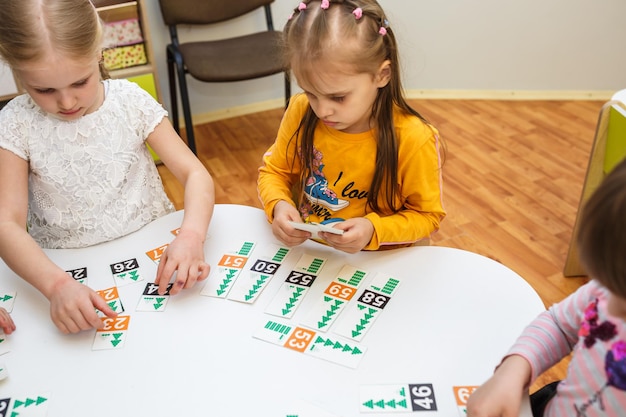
x: 350, y: 152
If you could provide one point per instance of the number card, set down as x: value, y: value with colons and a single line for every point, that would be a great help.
x: 29, y: 406
x: 461, y: 395
x: 252, y: 281
x: 336, y: 296
x: 4, y: 373
x: 79, y: 274
x: 295, y: 287
x: 397, y: 398
x: 309, y: 342
x: 113, y: 334
x: 7, y: 300
x: 222, y: 278
x: 112, y: 298
x: 151, y: 300
x: 358, y: 319
x: 126, y: 272
x: 156, y: 253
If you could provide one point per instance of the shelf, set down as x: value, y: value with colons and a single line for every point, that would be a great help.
x: 122, y: 11
x: 109, y: 4
x: 132, y: 71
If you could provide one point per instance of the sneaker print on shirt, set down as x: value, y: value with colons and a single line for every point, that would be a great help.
x: 317, y: 191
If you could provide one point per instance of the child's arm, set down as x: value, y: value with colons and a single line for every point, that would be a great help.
x: 284, y: 213
x: 185, y: 254
x: 6, y: 322
x: 72, y: 305
x: 501, y: 395
x: 545, y: 341
x: 358, y: 233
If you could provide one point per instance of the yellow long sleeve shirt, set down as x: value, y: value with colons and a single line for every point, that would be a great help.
x: 344, y: 168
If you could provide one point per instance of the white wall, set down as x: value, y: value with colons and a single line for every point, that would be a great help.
x: 460, y: 48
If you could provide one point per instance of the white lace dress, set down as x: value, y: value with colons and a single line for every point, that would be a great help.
x: 93, y: 179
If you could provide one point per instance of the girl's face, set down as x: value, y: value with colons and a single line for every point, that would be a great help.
x: 64, y: 88
x: 343, y: 99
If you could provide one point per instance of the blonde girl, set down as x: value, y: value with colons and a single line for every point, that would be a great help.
x: 74, y: 167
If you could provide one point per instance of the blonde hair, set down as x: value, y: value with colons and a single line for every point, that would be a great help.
x: 31, y: 28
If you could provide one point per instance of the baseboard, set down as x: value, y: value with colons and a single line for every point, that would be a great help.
x: 422, y: 95
x: 202, y: 118
x: 509, y: 95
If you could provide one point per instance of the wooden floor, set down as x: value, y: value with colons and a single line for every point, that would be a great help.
x: 513, y: 177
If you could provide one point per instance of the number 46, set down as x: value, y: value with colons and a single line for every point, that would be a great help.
x: 422, y: 397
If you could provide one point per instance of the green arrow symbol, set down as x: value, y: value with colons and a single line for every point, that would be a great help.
x: 369, y: 404
x: 116, y: 339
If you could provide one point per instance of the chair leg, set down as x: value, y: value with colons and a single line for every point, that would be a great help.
x: 287, y: 88
x: 171, y: 76
x: 184, y: 98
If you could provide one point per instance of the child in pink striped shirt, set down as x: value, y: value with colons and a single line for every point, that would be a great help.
x: 590, y: 324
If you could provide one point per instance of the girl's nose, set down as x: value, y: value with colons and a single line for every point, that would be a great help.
x: 66, y: 101
x: 324, y: 110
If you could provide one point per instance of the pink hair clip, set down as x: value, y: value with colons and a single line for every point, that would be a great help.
x: 302, y: 6
x: 325, y: 4
x: 382, y: 31
x: 358, y: 13
x: 291, y: 16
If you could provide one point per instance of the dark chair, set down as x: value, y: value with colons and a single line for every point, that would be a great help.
x: 239, y: 58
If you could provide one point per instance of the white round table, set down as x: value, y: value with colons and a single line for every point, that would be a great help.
x: 448, y: 324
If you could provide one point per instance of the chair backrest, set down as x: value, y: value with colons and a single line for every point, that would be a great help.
x: 198, y: 12
x: 608, y: 149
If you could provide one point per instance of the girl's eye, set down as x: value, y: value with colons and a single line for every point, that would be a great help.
x: 338, y: 99
x: 44, y: 90
x: 81, y: 83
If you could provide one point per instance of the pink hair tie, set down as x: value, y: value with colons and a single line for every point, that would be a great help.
x: 325, y: 4
x: 358, y: 13
x: 302, y: 6
x: 382, y: 31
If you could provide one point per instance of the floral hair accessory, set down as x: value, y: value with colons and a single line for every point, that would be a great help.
x: 302, y: 6
x: 325, y: 4
x: 358, y: 13
x: 383, y: 29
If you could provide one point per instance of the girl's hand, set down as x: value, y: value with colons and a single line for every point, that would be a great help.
x: 283, y: 231
x: 6, y: 322
x: 73, y: 307
x: 501, y: 395
x: 357, y: 233
x: 185, y: 256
